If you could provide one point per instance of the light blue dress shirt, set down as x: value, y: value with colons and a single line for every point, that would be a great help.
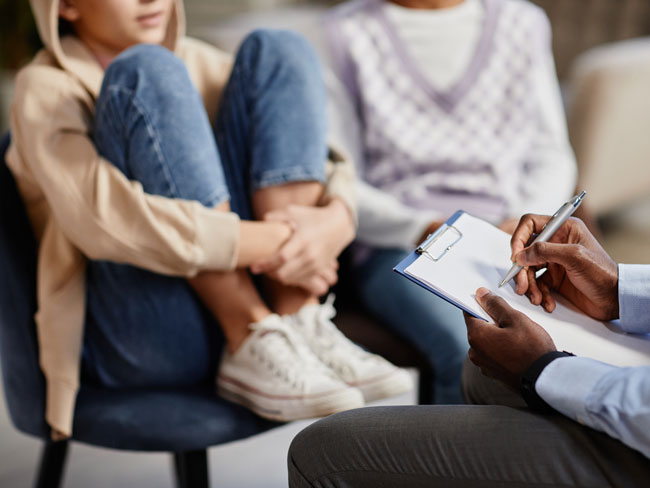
x: 608, y: 398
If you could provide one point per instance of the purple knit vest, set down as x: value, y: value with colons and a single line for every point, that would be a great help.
x: 465, y: 147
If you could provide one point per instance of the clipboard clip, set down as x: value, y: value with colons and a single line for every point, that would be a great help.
x: 440, y: 243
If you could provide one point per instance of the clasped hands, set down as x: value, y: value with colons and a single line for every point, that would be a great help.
x: 577, y: 267
x: 308, y: 259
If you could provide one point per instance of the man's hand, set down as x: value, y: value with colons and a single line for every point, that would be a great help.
x: 309, y: 258
x: 576, y: 266
x: 506, y: 350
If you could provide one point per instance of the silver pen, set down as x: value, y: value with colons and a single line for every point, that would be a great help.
x: 549, y: 229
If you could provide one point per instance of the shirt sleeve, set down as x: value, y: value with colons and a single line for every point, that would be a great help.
x: 550, y: 174
x: 386, y: 222
x: 105, y: 215
x: 634, y: 297
x: 341, y: 181
x: 606, y: 398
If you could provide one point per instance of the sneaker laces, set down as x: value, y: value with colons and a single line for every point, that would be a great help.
x: 325, y: 332
x: 285, y: 353
x: 327, y: 338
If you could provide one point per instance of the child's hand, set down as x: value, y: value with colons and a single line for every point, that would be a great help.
x: 433, y: 226
x: 308, y: 258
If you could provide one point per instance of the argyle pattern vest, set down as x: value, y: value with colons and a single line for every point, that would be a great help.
x: 422, y: 144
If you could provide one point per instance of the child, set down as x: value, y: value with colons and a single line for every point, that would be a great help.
x: 458, y: 108
x: 137, y: 210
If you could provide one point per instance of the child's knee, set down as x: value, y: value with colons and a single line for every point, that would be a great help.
x: 283, y: 47
x: 156, y: 64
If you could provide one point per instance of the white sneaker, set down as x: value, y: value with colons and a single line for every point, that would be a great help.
x: 372, y: 374
x: 276, y: 375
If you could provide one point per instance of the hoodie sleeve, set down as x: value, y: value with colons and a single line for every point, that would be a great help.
x: 550, y: 175
x: 105, y: 215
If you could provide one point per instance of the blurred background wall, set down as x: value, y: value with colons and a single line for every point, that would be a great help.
x: 577, y: 24
x: 582, y: 24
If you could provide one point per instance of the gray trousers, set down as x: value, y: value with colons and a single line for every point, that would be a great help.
x: 460, y: 446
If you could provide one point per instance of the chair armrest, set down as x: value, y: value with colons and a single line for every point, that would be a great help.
x: 609, y: 120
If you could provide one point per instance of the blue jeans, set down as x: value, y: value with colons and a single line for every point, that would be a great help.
x: 145, y: 329
x: 435, y: 327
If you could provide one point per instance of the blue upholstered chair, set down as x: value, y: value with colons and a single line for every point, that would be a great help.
x: 182, y: 422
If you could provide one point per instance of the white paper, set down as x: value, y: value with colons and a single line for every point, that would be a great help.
x: 481, y: 258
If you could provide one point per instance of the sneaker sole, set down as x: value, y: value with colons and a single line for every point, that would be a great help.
x: 390, y: 385
x: 282, y: 410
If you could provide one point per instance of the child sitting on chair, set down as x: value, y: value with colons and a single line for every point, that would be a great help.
x: 457, y: 107
x: 137, y: 151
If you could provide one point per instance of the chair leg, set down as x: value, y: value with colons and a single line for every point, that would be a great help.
x: 50, y: 471
x: 192, y: 469
x: 426, y: 392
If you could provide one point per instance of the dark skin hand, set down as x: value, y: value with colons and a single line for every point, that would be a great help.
x: 506, y: 349
x: 577, y: 267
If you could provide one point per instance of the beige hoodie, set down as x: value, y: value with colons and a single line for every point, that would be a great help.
x: 82, y: 207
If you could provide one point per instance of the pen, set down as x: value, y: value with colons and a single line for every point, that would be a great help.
x: 549, y: 229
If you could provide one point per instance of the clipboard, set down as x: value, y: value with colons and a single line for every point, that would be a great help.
x: 466, y: 253
x: 425, y: 249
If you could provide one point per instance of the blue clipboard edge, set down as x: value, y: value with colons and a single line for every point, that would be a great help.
x: 408, y: 260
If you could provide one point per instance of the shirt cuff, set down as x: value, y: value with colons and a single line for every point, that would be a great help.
x: 530, y: 377
x: 634, y: 297
x: 218, y: 239
x: 341, y: 183
x: 566, y: 383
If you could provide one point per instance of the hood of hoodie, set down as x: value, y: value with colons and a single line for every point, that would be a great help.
x: 72, y: 56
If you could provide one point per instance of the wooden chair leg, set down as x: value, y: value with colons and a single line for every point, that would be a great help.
x: 50, y: 471
x: 192, y: 469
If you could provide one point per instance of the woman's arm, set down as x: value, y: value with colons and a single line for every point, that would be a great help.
x: 550, y: 173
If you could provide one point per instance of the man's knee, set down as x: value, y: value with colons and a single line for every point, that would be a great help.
x: 311, y: 438
x: 300, y: 456
x: 299, y: 453
x: 319, y: 446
